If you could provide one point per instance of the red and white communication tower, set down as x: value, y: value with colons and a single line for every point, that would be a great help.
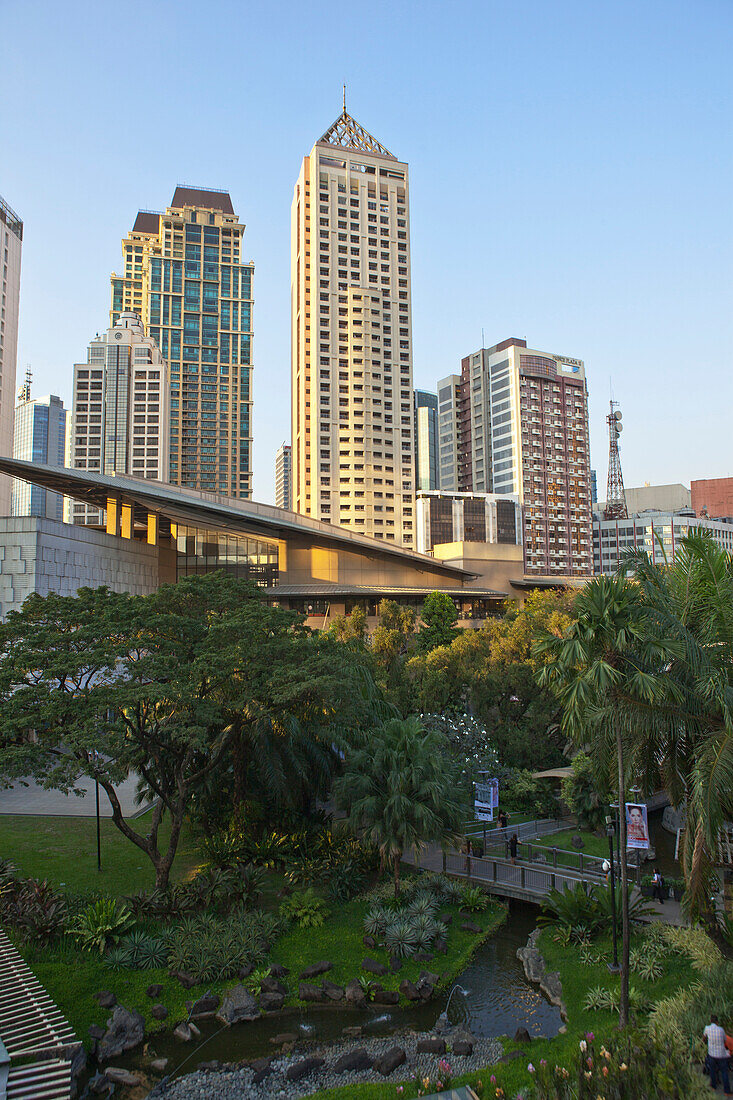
x: 615, y: 496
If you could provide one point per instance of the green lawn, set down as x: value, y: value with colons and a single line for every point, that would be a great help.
x: 592, y: 845
x: 64, y: 851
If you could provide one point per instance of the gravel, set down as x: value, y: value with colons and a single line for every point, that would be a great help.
x: 234, y: 1082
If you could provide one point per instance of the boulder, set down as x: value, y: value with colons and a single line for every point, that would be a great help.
x: 239, y: 1005
x: 213, y: 1065
x: 409, y: 990
x: 283, y: 1037
x: 261, y: 1063
x: 425, y: 989
x: 273, y: 985
x: 314, y: 970
x: 159, y: 1012
x: 521, y: 1035
x: 194, y: 1030
x: 355, y: 994
x: 389, y: 1061
x: 96, y: 1032
x: 423, y: 956
x: 260, y: 1074
x: 77, y: 1067
x: 303, y: 1068
x: 426, y: 976
x: 512, y: 1055
x: 105, y: 999
x: 577, y: 842
x: 125, y: 1029
x: 395, y: 964
x: 386, y: 997
x: 183, y: 1033
x: 154, y: 991
x: 441, y: 945
x: 352, y: 1032
x: 245, y: 971
x: 159, y: 1065
x: 122, y: 1077
x: 354, y: 1061
x: 373, y: 967
x: 101, y: 1085
x: 470, y: 926
x: 278, y: 971
x: 187, y: 980
x: 204, y: 1007
x: 333, y: 992
x: 308, y: 992
x: 445, y: 918
x: 271, y: 1002
x: 462, y: 1046
x: 369, y: 942
x: 431, y: 1046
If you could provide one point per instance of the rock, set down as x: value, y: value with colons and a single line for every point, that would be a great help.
x: 303, y: 1067
x: 353, y: 1061
x: 423, y: 956
x: 187, y: 980
x: 159, y: 1012
x: 314, y: 970
x: 512, y: 1055
x: 445, y: 918
x: 261, y: 1063
x: 183, y: 1033
x: 441, y: 945
x: 352, y: 1032
x: 521, y: 1035
x: 259, y: 1075
x: 395, y: 964
x: 470, y: 926
x: 332, y: 991
x: 245, y: 971
x: 374, y: 967
x: 283, y: 1037
x: 159, y: 1065
x: 426, y: 976
x: 431, y: 1046
x: 272, y: 985
x: 101, y: 1085
x: 562, y: 1030
x: 389, y: 1061
x: 125, y: 1029
x: 154, y: 991
x: 462, y: 1046
x: 386, y: 997
x: 105, y: 999
x: 308, y: 992
x: 194, y: 1030
x: 204, y: 1007
x: 278, y: 971
x: 407, y: 989
x: 239, y: 1005
x: 425, y: 990
x: 77, y: 1067
x: 369, y: 941
x: 271, y: 1002
x: 355, y: 994
x: 536, y: 971
x: 577, y: 842
x: 96, y: 1032
x: 206, y: 1066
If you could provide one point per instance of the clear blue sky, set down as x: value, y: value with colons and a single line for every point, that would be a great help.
x: 570, y: 169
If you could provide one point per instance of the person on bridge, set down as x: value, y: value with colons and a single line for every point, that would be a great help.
x: 503, y: 819
x: 513, y: 847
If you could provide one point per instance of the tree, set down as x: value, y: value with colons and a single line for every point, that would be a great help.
x: 439, y: 617
x: 606, y: 664
x: 198, y: 679
x: 398, y: 791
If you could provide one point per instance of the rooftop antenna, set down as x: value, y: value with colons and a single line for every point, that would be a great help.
x: 344, y: 99
x: 483, y: 345
x: 615, y: 495
x: 24, y: 393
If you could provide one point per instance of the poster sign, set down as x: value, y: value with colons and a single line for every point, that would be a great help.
x: 637, y: 826
x: 486, y: 799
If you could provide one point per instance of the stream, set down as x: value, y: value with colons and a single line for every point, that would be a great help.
x: 491, y: 997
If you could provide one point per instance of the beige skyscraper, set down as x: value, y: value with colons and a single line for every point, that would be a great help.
x: 352, y: 399
x: 11, y: 245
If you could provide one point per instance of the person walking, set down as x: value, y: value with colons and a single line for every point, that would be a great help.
x: 657, y: 886
x: 503, y: 819
x: 717, y: 1054
x: 513, y: 847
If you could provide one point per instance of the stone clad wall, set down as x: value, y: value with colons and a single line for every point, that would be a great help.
x: 42, y: 555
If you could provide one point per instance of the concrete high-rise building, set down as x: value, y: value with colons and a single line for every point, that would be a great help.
x: 352, y: 402
x: 39, y: 436
x: 467, y: 517
x: 523, y: 429
x: 185, y: 278
x: 284, y: 477
x: 120, y: 409
x: 426, y: 440
x: 657, y: 533
x: 712, y: 496
x: 11, y: 245
x: 449, y: 393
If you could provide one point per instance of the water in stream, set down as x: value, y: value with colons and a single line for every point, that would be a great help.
x: 494, y: 998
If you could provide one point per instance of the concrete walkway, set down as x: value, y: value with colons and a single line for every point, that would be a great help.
x: 34, y: 800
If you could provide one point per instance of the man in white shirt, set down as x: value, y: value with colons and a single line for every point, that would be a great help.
x: 717, y: 1053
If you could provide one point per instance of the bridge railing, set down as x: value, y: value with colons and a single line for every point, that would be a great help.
x: 526, y: 878
x: 525, y: 830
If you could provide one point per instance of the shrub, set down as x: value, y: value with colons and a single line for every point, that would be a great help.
x: 375, y: 921
x: 139, y: 951
x: 253, y: 983
x: 306, y: 909
x: 571, y: 908
x: 213, y: 948
x: 401, y: 937
x: 639, y: 907
x: 345, y: 881
x: 102, y: 923
x: 422, y: 904
x: 695, y: 944
x: 473, y: 899
x: 38, y: 910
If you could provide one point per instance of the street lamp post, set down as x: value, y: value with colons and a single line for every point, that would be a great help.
x: 608, y: 868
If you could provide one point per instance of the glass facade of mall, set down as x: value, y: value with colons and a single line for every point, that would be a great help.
x: 199, y: 550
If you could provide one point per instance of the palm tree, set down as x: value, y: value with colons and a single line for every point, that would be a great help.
x: 398, y: 790
x: 607, y: 660
x: 690, y: 739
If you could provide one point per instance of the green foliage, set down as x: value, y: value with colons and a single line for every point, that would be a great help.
x: 306, y: 909
x: 376, y: 921
x: 473, y: 899
x: 401, y: 937
x: 32, y: 906
x: 521, y: 793
x: 572, y: 908
x: 102, y: 923
x: 585, y: 792
x: 214, y: 948
x: 139, y: 951
x: 253, y: 983
x: 439, y: 617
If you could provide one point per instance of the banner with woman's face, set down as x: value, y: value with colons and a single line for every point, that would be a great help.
x: 637, y: 826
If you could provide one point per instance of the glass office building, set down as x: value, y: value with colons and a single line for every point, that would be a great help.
x: 39, y: 436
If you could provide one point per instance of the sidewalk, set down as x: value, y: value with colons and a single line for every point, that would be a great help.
x: 35, y: 801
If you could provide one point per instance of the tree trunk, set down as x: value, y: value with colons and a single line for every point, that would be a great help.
x: 397, y: 858
x: 623, y: 1014
x: 239, y: 767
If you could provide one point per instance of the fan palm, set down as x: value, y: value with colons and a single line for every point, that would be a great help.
x: 398, y: 790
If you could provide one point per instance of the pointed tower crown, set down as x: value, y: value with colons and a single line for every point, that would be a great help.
x: 348, y: 134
